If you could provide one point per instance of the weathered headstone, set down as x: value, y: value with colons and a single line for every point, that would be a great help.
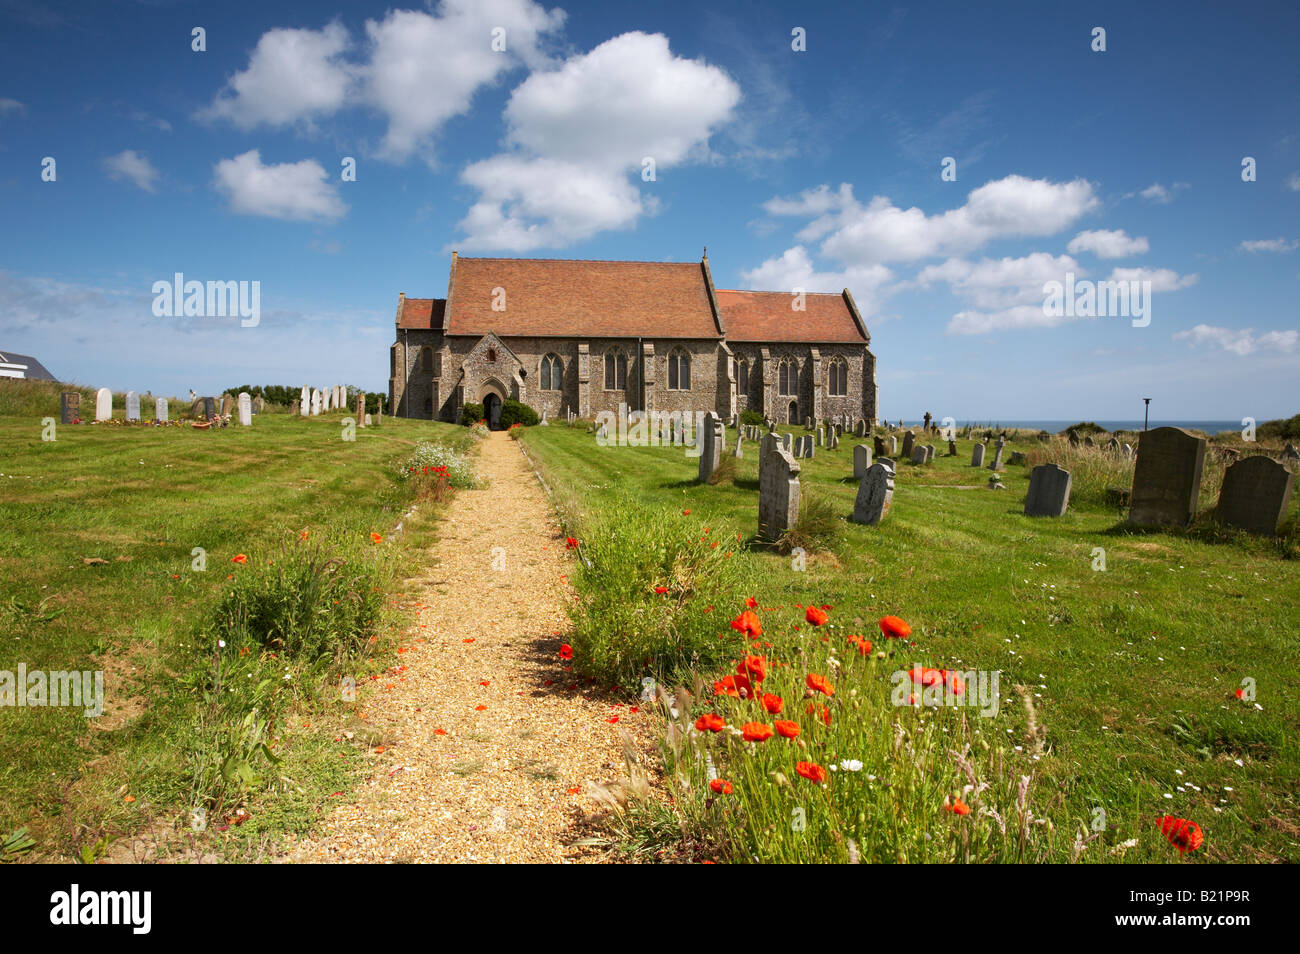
x: 834, y: 441
x: 361, y: 409
x: 209, y: 407
x: 305, y: 402
x: 878, y: 446
x: 918, y: 454
x: 977, y: 455
x: 69, y: 406
x: 259, y: 404
x: 1255, y: 496
x: 160, y: 410
x: 875, y: 494
x: 132, y: 406
x: 1167, y: 478
x: 379, y: 412
x: 952, y: 448
x: 929, y: 453
x: 1128, y: 450
x: 711, y: 442
x: 245, y: 409
x: 1049, y: 492
x: 227, y: 405
x: 1018, y: 457
x: 787, y: 443
x: 997, y: 454
x: 821, y: 437
x: 368, y: 421
x: 778, y: 491
x: 892, y: 445
x: 103, y: 405
x: 740, y: 440
x: 909, y: 440
x: 317, y: 401
x: 861, y: 460
x: 860, y: 428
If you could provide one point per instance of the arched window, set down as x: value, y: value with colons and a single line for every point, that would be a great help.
x: 552, y: 373
x: 679, y: 370
x: 615, y: 370
x: 425, y: 364
x: 837, y: 377
x: 788, y: 377
x: 742, y: 376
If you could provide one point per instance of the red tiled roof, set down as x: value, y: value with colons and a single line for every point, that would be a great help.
x: 768, y: 316
x: 559, y: 297
x: 424, y: 313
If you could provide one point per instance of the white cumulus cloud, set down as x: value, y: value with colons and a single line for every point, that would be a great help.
x: 296, y: 191
x: 1241, y: 341
x: 129, y: 166
x: 1269, y: 245
x: 1108, y: 244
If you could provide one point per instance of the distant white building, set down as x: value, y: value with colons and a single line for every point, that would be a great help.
x: 23, y: 366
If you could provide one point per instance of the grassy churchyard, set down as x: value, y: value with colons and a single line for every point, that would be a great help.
x: 1119, y: 655
x: 216, y: 664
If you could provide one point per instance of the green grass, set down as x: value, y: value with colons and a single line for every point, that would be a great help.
x: 141, y: 500
x: 1130, y: 671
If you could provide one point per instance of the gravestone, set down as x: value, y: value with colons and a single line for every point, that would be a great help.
x: 379, y: 412
x: 361, y: 410
x: 997, y: 454
x: 778, y: 491
x: 1074, y: 438
x: 909, y: 441
x: 977, y: 455
x: 860, y: 428
x: 952, y: 448
x: 875, y: 494
x: 1089, y: 442
x: 808, y: 447
x: 918, y: 454
x: 1112, y: 444
x: 227, y: 405
x: 196, y: 408
x: 821, y: 437
x: 1255, y: 496
x: 711, y: 441
x: 1167, y: 478
x: 787, y: 443
x: 740, y: 450
x: 160, y: 410
x: 368, y: 421
x: 1018, y: 457
x: 132, y: 406
x: 245, y: 409
x: 1290, y: 453
x: 317, y: 401
x: 69, y: 406
x: 209, y: 408
x: 861, y: 460
x: 892, y: 445
x: 878, y: 446
x: 1128, y: 450
x: 259, y: 404
x: 929, y: 453
x: 305, y: 402
x: 1049, y: 492
x: 834, y: 441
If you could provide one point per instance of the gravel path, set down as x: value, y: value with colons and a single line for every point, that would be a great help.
x: 490, y: 744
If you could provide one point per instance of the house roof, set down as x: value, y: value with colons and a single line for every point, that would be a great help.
x: 13, y: 365
x: 769, y: 316
x: 422, y: 313
x: 564, y: 297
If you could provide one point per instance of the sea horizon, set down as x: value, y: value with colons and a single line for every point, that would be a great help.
x: 1056, y: 426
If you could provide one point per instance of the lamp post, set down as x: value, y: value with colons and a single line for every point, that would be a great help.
x: 1146, y: 412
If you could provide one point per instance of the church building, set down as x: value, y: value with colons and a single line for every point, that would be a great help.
x: 566, y: 335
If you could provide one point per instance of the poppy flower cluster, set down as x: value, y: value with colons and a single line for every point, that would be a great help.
x: 1182, y: 834
x: 863, y: 644
x: 925, y: 677
x: 894, y: 627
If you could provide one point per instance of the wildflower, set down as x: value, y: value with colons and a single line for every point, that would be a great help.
x: 786, y: 728
x: 376, y: 537
x: 894, y: 628
x: 239, y: 558
x: 821, y: 712
x: 661, y: 590
x: 750, y: 602
x: 864, y: 645
x: 303, y: 536
x: 736, y: 686
x: 566, y: 651
x: 1182, y: 834
x: 773, y: 704
x: 815, y: 616
x: 570, y: 543
x: 850, y: 765
x: 710, y: 722
x: 747, y: 623
x: 819, y: 684
x: 957, y: 807
x: 811, y: 771
x: 756, y: 731
x: 753, y: 666
x: 720, y: 786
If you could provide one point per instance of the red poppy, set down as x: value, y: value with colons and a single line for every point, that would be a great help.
x: 570, y: 543
x: 1182, y: 834
x: 686, y: 513
x: 303, y: 536
x: 750, y: 602
x: 753, y: 666
x: 773, y: 704
x: 957, y: 807
x: 821, y: 712
x: 811, y: 771
x: 720, y: 786
x: 819, y: 684
x: 815, y: 616
x: 239, y: 558
x: 864, y: 645
x: 710, y: 722
x: 1240, y: 692
x: 787, y: 728
x: 894, y: 628
x: 566, y: 651
x: 738, y: 686
x: 756, y: 731
x: 748, y: 624
x: 661, y: 589
x: 376, y: 538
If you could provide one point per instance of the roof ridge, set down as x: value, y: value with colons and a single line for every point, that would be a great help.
x: 583, y: 261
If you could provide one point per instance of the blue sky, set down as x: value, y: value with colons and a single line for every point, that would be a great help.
x: 818, y: 169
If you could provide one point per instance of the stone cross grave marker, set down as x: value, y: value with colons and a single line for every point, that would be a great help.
x: 875, y: 494
x: 1255, y: 496
x: 1167, y: 478
x: 1049, y: 492
x: 778, y: 491
x: 997, y: 454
